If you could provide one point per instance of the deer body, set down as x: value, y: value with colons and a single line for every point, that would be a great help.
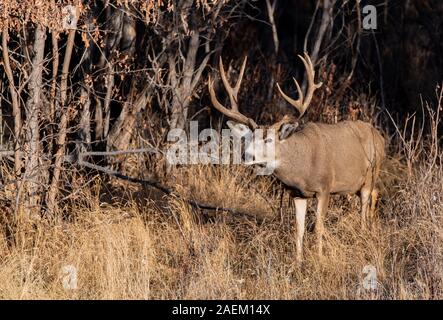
x: 314, y: 161
x: 318, y: 158
x: 324, y: 159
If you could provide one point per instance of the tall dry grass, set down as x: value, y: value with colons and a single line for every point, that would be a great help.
x: 143, y: 250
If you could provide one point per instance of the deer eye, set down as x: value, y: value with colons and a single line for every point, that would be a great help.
x: 268, y: 140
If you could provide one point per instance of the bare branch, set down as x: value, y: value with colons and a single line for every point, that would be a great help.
x: 15, y: 102
x: 271, y: 10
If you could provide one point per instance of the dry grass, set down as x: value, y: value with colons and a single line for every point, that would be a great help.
x: 140, y: 253
x: 137, y: 250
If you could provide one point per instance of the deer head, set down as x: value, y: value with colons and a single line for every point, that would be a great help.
x: 243, y: 126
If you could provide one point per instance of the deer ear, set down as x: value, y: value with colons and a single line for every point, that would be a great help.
x: 287, y: 129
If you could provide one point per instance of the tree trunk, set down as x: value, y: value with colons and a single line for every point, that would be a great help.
x: 15, y: 103
x: 85, y: 119
x: 182, y: 90
x: 33, y: 174
x: 120, y: 136
x: 53, y: 191
x: 109, y: 84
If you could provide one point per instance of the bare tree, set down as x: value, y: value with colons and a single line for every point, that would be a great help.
x: 33, y: 174
x: 64, y: 112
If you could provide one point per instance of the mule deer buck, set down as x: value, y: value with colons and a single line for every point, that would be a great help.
x: 314, y: 161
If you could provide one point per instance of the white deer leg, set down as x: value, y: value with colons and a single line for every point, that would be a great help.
x: 365, y: 194
x: 322, y: 205
x: 300, y: 213
x: 374, y: 198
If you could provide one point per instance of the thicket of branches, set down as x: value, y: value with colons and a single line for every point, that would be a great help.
x: 132, y: 70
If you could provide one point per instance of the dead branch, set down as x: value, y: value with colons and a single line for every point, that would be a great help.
x: 15, y: 102
x: 120, y: 152
x: 271, y: 10
x: 167, y: 190
x: 326, y: 20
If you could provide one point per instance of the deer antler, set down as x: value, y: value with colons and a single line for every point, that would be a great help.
x: 232, y: 113
x: 302, y: 103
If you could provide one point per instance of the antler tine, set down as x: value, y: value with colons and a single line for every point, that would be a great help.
x: 228, y: 87
x: 302, y: 103
x: 232, y: 91
x: 214, y: 99
x: 232, y: 113
x: 312, y: 86
x: 295, y: 103
x: 299, y: 90
x: 240, y: 76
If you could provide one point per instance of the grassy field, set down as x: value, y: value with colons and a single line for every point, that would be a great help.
x: 141, y: 245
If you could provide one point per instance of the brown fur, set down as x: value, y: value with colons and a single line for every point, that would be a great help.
x: 323, y: 159
x: 340, y: 158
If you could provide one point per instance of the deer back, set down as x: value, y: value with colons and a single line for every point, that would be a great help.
x: 337, y: 158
